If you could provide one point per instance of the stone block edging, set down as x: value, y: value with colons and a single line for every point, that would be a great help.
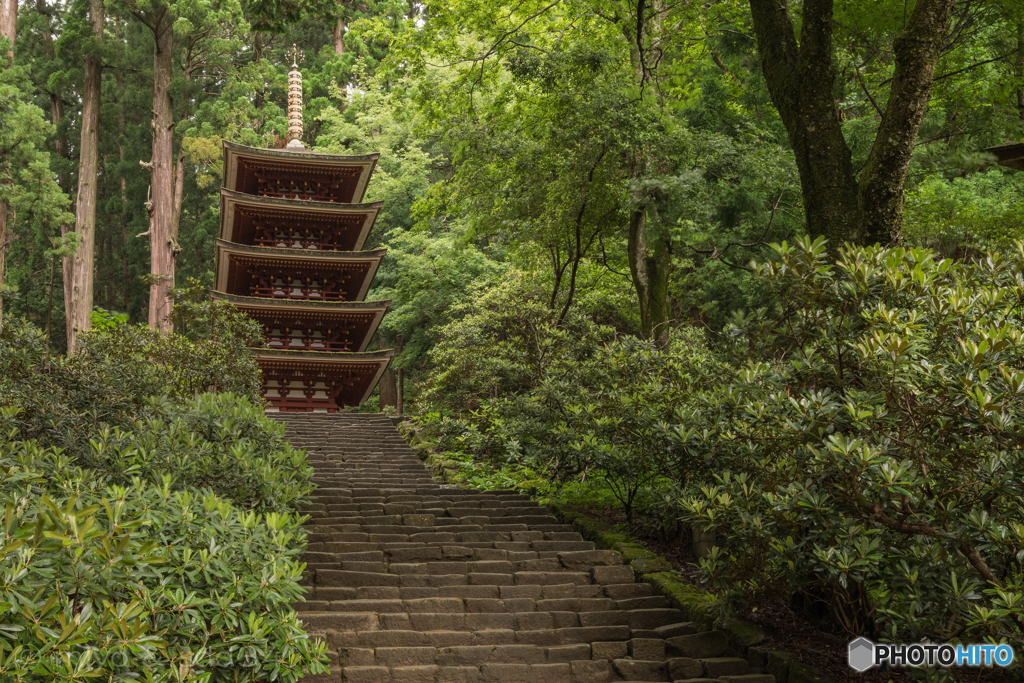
x: 696, y: 605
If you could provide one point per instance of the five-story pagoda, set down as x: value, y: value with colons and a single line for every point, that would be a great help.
x: 290, y: 256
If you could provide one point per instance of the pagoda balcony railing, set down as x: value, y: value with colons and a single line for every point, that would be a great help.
x: 291, y: 390
x: 306, y: 242
x: 278, y: 234
x: 308, y: 340
x: 285, y: 187
x: 328, y: 290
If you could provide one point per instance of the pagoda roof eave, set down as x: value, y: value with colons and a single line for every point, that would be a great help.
x: 337, y: 359
x: 253, y: 304
x: 299, y: 256
x: 231, y: 198
x: 233, y: 151
x: 1011, y: 155
x: 303, y: 305
x: 305, y: 255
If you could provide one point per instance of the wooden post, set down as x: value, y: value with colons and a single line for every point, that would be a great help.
x: 703, y: 541
x: 400, y: 389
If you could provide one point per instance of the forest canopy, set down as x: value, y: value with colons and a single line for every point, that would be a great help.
x: 616, y: 150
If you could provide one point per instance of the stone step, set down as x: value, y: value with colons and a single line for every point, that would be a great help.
x: 412, y: 581
x: 523, y: 592
x: 373, y: 617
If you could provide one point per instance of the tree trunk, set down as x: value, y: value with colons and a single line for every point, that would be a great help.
x: 801, y: 81
x: 78, y: 270
x: 387, y: 390
x: 9, y: 23
x: 163, y: 240
x: 917, y: 49
x: 649, y: 263
x: 649, y: 255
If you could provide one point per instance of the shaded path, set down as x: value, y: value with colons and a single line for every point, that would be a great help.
x: 410, y: 581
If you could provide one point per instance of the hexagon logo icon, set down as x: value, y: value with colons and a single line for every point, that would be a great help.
x: 861, y: 654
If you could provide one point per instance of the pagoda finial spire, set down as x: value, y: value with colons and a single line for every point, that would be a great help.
x: 295, y: 100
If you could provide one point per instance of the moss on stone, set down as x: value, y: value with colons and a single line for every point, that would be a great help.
x: 778, y: 665
x: 651, y: 565
x: 696, y: 605
x: 742, y: 634
x: 631, y: 552
x: 803, y: 673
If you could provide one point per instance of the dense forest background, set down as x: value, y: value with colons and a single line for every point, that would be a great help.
x: 558, y: 140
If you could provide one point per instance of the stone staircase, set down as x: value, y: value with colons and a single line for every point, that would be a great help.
x: 410, y: 581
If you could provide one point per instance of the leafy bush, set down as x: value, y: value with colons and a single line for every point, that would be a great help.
x: 141, y: 581
x: 212, y: 347
x: 147, y: 530
x: 553, y: 405
x: 870, y: 450
x: 962, y: 215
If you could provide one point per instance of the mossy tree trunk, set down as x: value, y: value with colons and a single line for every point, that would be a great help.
x: 838, y: 204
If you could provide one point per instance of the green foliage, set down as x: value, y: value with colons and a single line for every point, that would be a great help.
x: 961, y: 216
x: 560, y: 407
x: 142, y: 580
x: 35, y: 204
x: 212, y: 348
x: 868, y: 454
x: 102, y: 319
x: 146, y: 531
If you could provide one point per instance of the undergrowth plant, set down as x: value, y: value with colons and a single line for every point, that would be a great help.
x: 869, y: 453
x: 149, y: 529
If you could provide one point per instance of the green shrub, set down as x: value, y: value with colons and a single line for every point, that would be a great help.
x: 569, y: 409
x: 130, y: 405
x: 148, y: 530
x: 870, y: 452
x: 959, y: 216
x: 141, y: 581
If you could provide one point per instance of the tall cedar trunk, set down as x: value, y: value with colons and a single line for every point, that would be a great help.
x: 3, y: 256
x: 162, y: 238
x: 388, y: 390
x: 9, y: 23
x: 78, y: 270
x: 801, y: 81
x: 179, y: 166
